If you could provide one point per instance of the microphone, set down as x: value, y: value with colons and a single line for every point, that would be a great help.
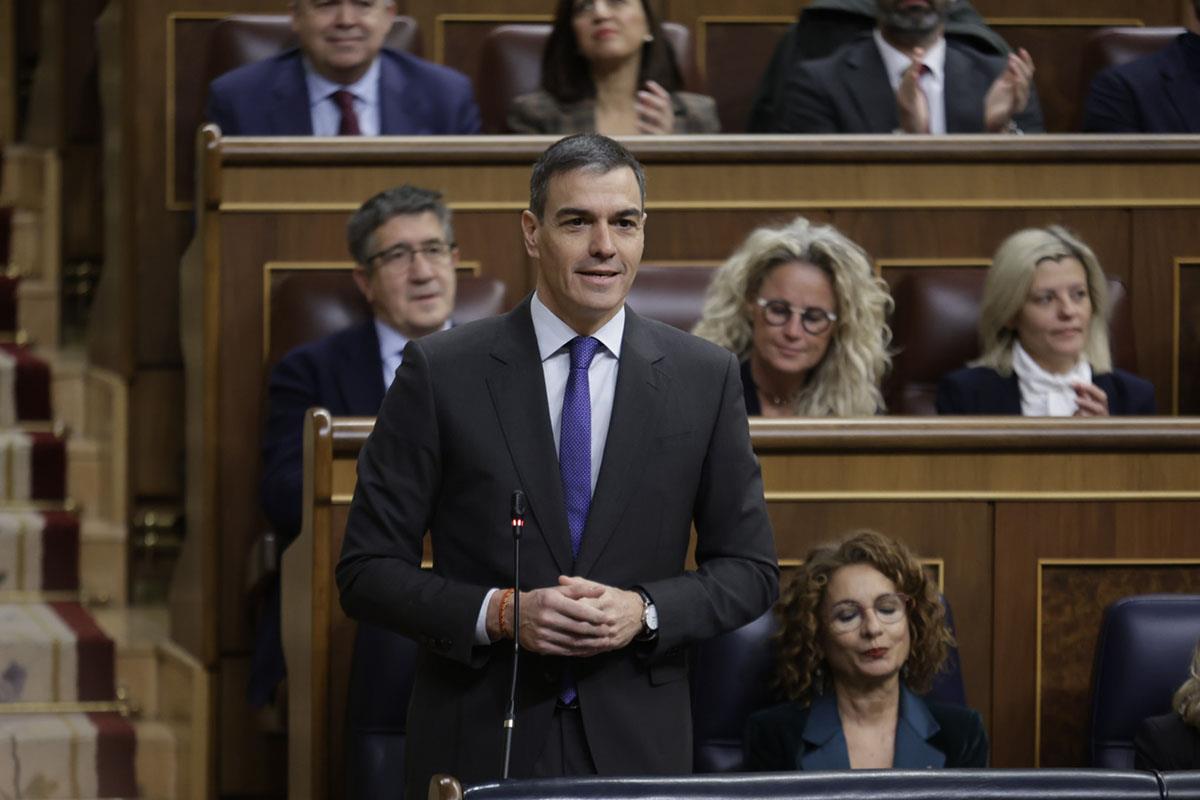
x: 518, y: 526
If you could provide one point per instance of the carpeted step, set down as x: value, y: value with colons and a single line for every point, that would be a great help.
x: 24, y: 387
x: 53, y: 653
x: 55, y: 756
x: 39, y: 551
x: 33, y: 467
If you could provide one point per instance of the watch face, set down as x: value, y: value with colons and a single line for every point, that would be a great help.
x: 650, y: 617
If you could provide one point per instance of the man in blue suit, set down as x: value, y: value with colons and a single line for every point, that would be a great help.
x: 403, y: 245
x: 1158, y: 93
x: 341, y: 81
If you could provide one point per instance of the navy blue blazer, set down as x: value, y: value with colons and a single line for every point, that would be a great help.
x: 849, y: 92
x: 343, y: 373
x: 1158, y: 93
x: 270, y: 98
x: 982, y: 390
x: 928, y: 735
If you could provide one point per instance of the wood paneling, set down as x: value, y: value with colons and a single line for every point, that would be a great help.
x: 1187, y: 321
x: 1072, y: 602
x: 1027, y: 533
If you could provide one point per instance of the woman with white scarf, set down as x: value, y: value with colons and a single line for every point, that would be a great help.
x: 1043, y: 332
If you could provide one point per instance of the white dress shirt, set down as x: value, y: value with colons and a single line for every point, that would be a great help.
x: 327, y: 117
x: 933, y: 82
x: 553, y: 338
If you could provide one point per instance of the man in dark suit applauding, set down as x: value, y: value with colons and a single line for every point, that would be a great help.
x: 623, y: 433
x: 342, y: 81
x: 907, y: 77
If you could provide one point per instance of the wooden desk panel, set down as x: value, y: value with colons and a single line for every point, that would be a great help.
x: 1013, y: 563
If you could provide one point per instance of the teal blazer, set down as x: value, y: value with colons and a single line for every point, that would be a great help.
x: 928, y: 735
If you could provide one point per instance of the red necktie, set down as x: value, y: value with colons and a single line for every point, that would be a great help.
x: 349, y: 123
x: 922, y: 71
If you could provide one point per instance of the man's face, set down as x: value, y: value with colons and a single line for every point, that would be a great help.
x: 912, y: 18
x: 410, y: 284
x: 342, y: 37
x: 588, y: 245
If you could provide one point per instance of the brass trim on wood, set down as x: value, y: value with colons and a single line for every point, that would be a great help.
x: 121, y: 707
x: 1076, y: 562
x: 439, y: 26
x: 1177, y: 322
x: 173, y: 204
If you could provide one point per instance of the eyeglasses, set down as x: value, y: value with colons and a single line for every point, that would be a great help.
x: 890, y: 609
x: 402, y: 256
x: 361, y: 6
x: 582, y: 7
x: 780, y: 312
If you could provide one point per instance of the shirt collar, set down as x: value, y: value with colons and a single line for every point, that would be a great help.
x: 391, y: 341
x: 553, y: 334
x: 365, y: 88
x: 896, y: 62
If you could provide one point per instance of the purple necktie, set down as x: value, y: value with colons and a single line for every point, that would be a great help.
x: 349, y: 123
x: 575, y: 440
x: 575, y: 460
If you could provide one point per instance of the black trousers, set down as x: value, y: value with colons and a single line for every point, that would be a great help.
x: 566, y: 751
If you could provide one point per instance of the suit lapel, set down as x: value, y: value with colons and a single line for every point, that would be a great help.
x: 518, y: 390
x: 288, y: 112
x: 360, y: 373
x: 824, y: 742
x: 400, y: 113
x: 963, y: 93
x: 637, y: 404
x: 868, y: 88
x: 915, y: 728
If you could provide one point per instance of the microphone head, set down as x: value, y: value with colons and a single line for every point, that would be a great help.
x: 518, y: 504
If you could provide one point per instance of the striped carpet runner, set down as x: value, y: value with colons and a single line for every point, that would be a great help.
x: 57, y: 667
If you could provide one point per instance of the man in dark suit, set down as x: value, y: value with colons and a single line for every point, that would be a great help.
x: 622, y: 433
x: 402, y: 241
x: 907, y: 77
x: 341, y: 81
x: 1158, y: 93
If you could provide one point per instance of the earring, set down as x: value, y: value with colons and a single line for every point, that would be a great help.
x: 648, y: 38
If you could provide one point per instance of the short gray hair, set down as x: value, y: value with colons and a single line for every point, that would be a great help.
x: 589, y: 151
x: 399, y: 201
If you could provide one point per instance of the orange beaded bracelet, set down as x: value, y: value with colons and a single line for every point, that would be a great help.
x: 505, y: 631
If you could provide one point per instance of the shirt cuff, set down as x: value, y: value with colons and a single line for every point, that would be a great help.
x: 481, y: 634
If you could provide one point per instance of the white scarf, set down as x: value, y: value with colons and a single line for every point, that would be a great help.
x: 1046, y: 394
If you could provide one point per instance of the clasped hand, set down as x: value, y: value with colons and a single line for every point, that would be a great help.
x: 579, y: 617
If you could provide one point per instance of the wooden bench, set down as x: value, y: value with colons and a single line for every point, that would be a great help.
x: 1032, y: 526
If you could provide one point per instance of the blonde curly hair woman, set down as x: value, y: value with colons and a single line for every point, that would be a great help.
x: 802, y: 308
x: 1172, y: 741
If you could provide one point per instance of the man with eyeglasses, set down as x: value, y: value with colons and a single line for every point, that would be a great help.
x: 402, y: 241
x: 342, y: 81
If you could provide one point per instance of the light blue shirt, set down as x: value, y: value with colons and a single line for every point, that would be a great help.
x: 327, y: 116
x: 391, y: 349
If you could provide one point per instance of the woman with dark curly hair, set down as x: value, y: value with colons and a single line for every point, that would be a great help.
x: 609, y: 69
x: 862, y: 633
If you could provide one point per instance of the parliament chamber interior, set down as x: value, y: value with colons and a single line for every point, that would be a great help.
x: 159, y: 269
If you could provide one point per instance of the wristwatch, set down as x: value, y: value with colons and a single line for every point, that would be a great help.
x: 649, y: 617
